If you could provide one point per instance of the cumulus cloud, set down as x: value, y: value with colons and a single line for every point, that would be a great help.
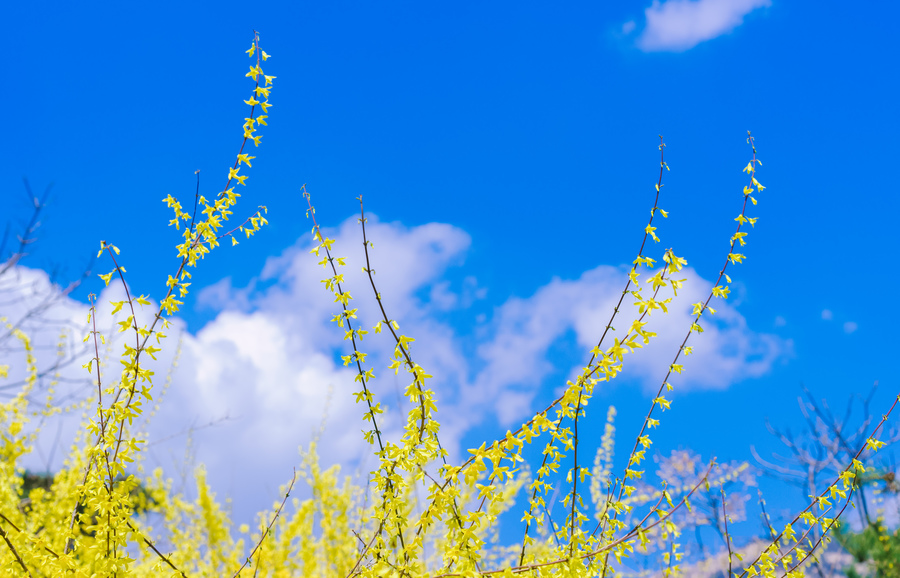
x: 267, y: 369
x: 827, y: 315
x: 55, y: 326
x: 278, y: 361
x: 678, y: 25
x: 524, y: 330
x: 850, y: 327
x: 31, y: 302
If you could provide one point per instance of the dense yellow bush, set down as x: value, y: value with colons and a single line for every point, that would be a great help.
x: 97, y: 518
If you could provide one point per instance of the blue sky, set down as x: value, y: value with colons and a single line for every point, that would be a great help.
x: 509, y: 153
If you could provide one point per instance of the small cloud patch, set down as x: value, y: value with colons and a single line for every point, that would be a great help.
x: 678, y: 25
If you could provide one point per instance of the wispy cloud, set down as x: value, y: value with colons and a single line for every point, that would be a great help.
x: 678, y: 25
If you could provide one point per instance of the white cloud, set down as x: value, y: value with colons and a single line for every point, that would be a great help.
x: 827, y: 315
x: 222, y: 294
x: 780, y: 321
x: 678, y: 25
x: 55, y: 326
x: 269, y: 360
x: 524, y: 330
x: 629, y: 27
x: 850, y: 327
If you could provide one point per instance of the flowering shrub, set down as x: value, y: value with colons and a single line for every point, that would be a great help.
x: 95, y: 518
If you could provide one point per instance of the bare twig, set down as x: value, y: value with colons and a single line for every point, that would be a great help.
x: 162, y: 556
x: 269, y: 527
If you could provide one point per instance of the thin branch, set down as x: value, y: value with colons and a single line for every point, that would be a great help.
x: 19, y: 530
x: 269, y: 527
x: 162, y: 556
x: 13, y: 550
x: 834, y: 483
x: 606, y: 548
x: 727, y: 535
